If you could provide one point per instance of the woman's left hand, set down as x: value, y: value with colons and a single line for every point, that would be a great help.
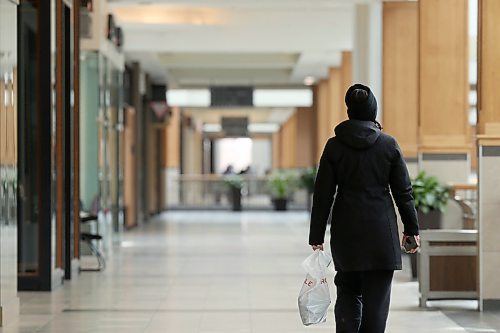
x: 317, y: 247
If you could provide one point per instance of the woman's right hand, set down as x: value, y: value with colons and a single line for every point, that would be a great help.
x: 417, y: 239
x: 317, y: 247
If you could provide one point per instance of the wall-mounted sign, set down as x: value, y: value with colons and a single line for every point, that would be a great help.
x: 235, y: 126
x: 115, y: 33
x: 161, y: 111
x: 232, y: 96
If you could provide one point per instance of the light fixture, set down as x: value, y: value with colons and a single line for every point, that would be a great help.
x: 309, y: 81
x: 263, y: 127
x: 212, y: 128
x: 282, y: 97
x: 147, y: 12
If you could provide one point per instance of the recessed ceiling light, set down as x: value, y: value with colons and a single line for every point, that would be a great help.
x: 309, y: 81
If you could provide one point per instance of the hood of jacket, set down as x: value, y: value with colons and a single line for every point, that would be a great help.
x: 358, y: 134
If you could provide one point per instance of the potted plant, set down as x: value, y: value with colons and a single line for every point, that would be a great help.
x: 430, y: 201
x: 307, y: 180
x: 234, y: 184
x: 281, y: 186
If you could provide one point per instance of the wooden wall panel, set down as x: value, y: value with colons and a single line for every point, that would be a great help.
x: 276, y: 164
x: 293, y: 144
x: 335, y: 111
x: 443, y: 36
x: 400, y: 74
x: 192, y: 153
x: 322, y: 118
x: 305, y: 138
x: 129, y: 168
x: 162, y: 184
x: 444, y: 277
x: 314, y: 134
x: 346, y: 73
x: 489, y: 68
x: 8, y: 123
x: 288, y: 142
x: 151, y: 167
x: 173, y: 154
x: 113, y: 161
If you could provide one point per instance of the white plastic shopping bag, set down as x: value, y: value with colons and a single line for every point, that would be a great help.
x: 314, y: 297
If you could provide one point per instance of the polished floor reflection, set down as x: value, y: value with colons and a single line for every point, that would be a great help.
x: 215, y: 272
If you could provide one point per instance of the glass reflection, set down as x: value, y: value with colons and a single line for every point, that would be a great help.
x: 8, y: 152
x: 8, y: 114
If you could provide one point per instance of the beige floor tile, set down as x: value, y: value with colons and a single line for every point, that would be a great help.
x: 225, y: 322
x: 186, y: 273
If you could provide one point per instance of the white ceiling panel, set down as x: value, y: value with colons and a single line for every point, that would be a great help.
x: 229, y: 60
x: 259, y: 42
x: 263, y: 4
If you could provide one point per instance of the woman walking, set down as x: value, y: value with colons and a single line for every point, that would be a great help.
x: 359, y: 169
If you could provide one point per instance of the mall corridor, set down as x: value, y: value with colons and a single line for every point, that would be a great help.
x: 159, y: 161
x: 215, y: 272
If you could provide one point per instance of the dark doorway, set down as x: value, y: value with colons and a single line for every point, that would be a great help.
x: 35, y: 207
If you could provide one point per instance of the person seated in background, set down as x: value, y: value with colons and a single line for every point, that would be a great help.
x: 229, y: 170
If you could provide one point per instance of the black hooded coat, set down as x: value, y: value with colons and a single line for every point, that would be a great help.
x: 359, y: 169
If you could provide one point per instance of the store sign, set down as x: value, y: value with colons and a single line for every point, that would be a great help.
x: 231, y: 96
x: 235, y: 126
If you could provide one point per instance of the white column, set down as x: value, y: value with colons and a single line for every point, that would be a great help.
x: 448, y: 167
x: 9, y: 300
x: 367, y: 54
x: 171, y: 177
x: 489, y: 237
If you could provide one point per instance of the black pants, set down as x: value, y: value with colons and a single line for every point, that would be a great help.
x: 362, y: 301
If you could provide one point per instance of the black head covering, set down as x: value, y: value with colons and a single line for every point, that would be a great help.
x: 361, y: 106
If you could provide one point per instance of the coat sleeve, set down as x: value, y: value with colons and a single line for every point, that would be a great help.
x: 324, y: 192
x: 402, y: 192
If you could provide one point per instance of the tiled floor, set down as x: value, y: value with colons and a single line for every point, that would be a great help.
x: 215, y: 272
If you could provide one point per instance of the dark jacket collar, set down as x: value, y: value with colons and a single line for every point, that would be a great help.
x: 359, y: 134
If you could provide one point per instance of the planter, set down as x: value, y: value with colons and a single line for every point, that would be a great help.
x: 430, y: 220
x: 236, y: 198
x: 280, y: 204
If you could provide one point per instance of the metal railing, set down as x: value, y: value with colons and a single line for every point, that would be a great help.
x: 209, y: 191
x: 466, y: 196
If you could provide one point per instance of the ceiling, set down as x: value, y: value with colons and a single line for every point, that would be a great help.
x: 255, y: 115
x: 189, y: 43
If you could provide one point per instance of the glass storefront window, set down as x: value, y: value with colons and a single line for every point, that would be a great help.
x: 46, y: 155
x: 101, y: 124
x: 110, y: 126
x: 89, y: 134
x: 29, y: 130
